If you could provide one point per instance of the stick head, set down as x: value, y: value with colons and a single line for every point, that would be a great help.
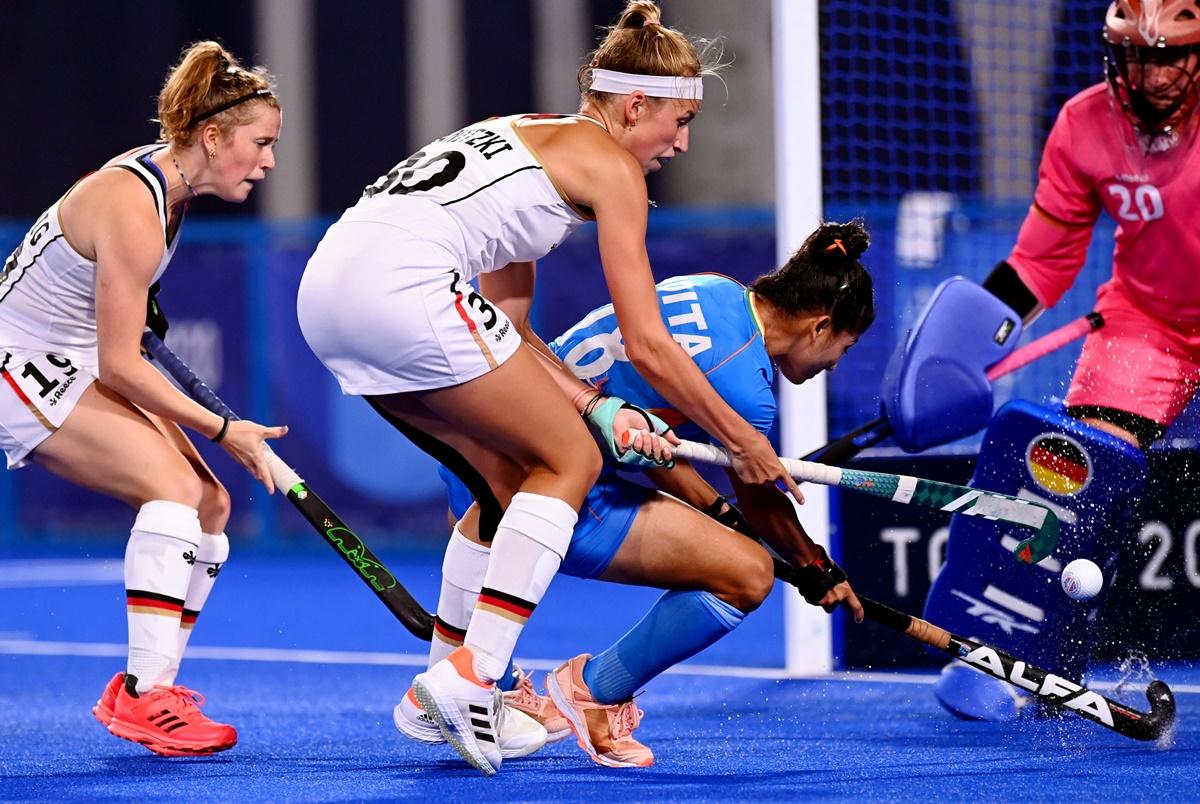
x: 1041, y: 543
x: 1162, y: 710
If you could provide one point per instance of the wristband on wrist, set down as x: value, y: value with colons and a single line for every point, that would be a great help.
x: 221, y: 433
x: 582, y: 391
x: 591, y: 405
x: 729, y: 515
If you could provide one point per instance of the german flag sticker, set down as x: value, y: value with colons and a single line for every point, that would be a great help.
x: 1059, y: 464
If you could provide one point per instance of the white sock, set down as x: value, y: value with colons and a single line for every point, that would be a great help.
x: 162, y: 545
x: 211, y: 555
x: 463, y: 571
x: 530, y: 543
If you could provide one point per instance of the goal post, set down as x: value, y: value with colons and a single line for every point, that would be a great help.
x: 795, y: 45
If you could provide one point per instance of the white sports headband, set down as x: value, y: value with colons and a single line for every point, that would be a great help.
x: 656, y: 86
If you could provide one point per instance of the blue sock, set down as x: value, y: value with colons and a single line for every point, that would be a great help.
x: 508, y: 681
x: 678, y: 625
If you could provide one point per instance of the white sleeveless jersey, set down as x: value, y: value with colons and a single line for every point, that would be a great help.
x: 48, y: 290
x: 479, y: 193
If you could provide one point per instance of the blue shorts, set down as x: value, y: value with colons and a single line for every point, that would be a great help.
x: 604, y: 521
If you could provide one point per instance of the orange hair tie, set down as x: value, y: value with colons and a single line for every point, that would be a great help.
x: 838, y: 245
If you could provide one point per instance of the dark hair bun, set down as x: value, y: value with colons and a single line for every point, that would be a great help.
x: 847, y: 240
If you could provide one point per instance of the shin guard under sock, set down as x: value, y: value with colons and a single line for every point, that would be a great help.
x: 463, y: 571
x: 162, y: 544
x: 530, y: 543
x: 210, y: 556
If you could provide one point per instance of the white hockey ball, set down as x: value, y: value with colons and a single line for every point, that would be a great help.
x: 1082, y: 579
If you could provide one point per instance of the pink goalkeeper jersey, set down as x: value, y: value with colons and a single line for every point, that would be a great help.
x: 1088, y: 165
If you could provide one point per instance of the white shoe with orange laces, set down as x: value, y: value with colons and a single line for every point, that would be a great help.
x: 604, y: 731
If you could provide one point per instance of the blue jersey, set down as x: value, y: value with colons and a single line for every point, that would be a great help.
x: 710, y: 317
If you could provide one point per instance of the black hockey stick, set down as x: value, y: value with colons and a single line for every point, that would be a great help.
x: 370, y: 569
x: 1047, y: 686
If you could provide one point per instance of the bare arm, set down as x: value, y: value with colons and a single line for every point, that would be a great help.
x: 117, y: 224
x: 684, y: 483
x: 128, y: 248
x: 620, y: 202
x: 772, y: 516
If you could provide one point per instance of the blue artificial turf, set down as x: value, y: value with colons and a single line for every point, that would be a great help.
x: 317, y: 727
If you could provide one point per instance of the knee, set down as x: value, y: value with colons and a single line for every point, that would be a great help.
x: 753, y: 581
x: 178, y: 483
x: 215, y: 507
x: 592, y: 464
x: 577, y: 461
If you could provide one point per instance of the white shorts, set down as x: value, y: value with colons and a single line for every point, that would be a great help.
x: 387, y: 312
x: 38, y: 391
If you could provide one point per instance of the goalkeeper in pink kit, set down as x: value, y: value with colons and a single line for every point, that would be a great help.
x: 1127, y: 147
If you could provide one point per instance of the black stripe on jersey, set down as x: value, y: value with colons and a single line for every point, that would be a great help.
x: 145, y: 161
x: 25, y: 270
x: 490, y: 183
x: 145, y: 181
x: 148, y: 165
x: 151, y: 166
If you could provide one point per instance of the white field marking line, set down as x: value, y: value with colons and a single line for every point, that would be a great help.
x: 61, y: 572
x: 34, y: 647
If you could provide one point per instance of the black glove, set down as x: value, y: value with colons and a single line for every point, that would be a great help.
x: 815, y: 580
x: 731, y: 517
x: 156, y: 321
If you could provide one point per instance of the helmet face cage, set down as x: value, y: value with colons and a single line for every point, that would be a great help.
x: 1126, y: 66
x: 1158, y: 35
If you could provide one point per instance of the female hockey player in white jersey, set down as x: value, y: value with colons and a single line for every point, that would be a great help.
x: 797, y: 321
x: 385, y: 305
x: 79, y: 399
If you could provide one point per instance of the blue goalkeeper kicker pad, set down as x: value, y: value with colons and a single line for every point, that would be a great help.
x: 935, y: 389
x: 1089, y: 479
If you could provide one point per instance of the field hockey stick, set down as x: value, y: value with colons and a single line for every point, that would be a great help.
x: 370, y: 569
x: 847, y: 446
x: 1046, y: 686
x: 909, y: 490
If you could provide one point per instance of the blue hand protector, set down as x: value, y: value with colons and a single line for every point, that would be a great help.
x: 601, y: 414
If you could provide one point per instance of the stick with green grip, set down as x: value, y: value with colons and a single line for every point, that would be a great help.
x: 370, y: 569
x: 909, y: 490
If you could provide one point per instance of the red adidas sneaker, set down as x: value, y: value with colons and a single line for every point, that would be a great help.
x: 103, y: 710
x: 168, y: 721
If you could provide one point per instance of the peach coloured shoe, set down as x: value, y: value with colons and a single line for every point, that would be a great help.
x: 103, y: 710
x: 524, y: 698
x: 604, y: 731
x: 168, y: 721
